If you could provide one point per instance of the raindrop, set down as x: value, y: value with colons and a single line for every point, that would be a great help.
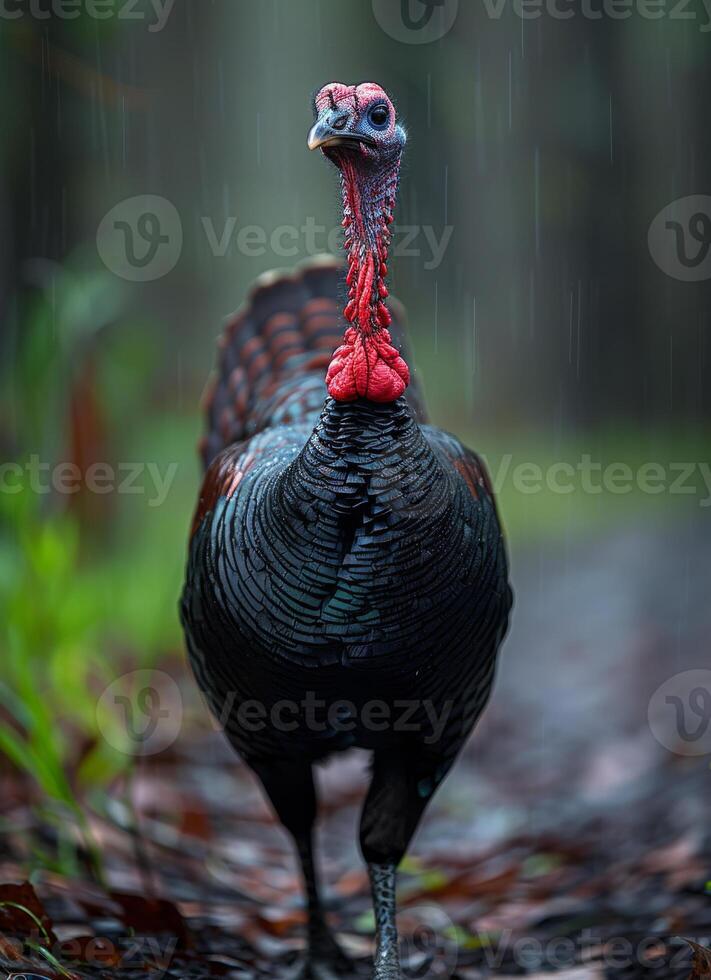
x: 510, y: 88
x: 474, y: 339
x: 124, y: 122
x: 446, y: 193
x: 611, y: 149
x: 531, y: 303
x: 668, y: 75
x: 577, y: 339
x: 221, y: 87
x: 536, y: 196
x: 436, y: 316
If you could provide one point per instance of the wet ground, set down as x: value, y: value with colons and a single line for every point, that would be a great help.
x: 571, y: 838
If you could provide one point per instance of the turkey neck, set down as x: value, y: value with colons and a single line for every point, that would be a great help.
x: 368, y: 203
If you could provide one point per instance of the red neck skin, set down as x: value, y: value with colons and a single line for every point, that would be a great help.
x: 367, y: 365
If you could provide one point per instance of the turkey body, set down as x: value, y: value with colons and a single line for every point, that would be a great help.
x: 346, y: 585
x: 347, y: 578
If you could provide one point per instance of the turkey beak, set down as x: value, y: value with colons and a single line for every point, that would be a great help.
x: 320, y: 133
x: 331, y: 129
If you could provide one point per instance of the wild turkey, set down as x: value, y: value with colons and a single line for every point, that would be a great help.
x: 346, y: 564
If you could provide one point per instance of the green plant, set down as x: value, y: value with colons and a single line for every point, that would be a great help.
x: 82, y: 600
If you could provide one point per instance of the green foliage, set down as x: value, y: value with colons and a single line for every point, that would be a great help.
x: 47, y: 677
x: 83, y: 599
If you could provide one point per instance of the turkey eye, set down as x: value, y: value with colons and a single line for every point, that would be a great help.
x: 379, y: 116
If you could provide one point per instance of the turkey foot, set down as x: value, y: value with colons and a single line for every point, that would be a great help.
x: 324, y: 960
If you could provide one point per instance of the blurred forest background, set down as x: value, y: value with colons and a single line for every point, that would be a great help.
x: 540, y: 151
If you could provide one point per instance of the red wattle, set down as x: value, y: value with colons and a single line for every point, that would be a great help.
x: 367, y: 366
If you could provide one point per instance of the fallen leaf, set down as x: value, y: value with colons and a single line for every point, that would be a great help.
x: 10, y: 949
x: 279, y: 921
x: 22, y: 913
x: 195, y: 823
x: 701, y: 963
x: 153, y: 915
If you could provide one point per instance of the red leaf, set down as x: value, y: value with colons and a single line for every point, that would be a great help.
x: 14, y: 900
x: 149, y: 915
x: 195, y: 823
